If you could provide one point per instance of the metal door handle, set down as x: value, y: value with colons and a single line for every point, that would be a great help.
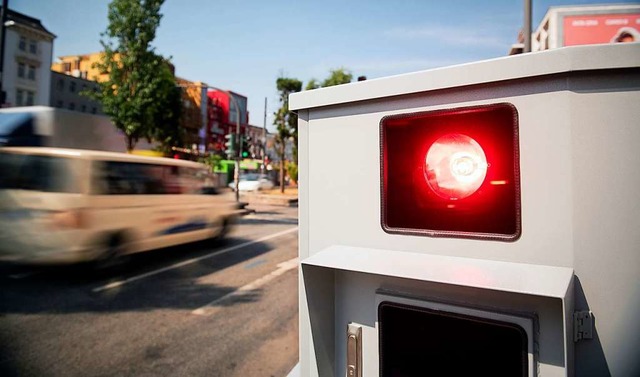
x: 354, y: 350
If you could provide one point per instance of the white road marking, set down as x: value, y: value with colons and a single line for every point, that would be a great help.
x: 282, y: 268
x: 23, y: 275
x: 120, y: 283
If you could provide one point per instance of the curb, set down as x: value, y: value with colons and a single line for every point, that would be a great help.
x: 275, y: 200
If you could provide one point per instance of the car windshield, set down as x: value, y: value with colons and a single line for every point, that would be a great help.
x: 249, y: 177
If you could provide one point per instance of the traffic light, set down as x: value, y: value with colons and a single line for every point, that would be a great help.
x: 452, y: 173
x: 230, y: 145
x: 246, y: 146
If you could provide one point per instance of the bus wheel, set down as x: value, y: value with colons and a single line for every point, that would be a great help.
x: 113, y: 257
x: 224, y: 230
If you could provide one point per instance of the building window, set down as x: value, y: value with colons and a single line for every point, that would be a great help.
x: 72, y: 106
x: 21, y: 70
x: 30, y: 98
x: 59, y: 104
x: 84, y: 108
x: 72, y: 87
x: 33, y: 46
x: 93, y: 110
x: 60, y: 84
x: 19, y: 97
x: 31, y: 75
x: 22, y: 45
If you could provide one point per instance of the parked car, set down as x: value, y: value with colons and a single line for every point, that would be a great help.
x: 253, y: 182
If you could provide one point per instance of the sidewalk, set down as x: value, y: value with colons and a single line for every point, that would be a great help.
x: 251, y: 202
x: 269, y: 197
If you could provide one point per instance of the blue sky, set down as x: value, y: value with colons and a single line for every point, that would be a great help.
x: 245, y: 46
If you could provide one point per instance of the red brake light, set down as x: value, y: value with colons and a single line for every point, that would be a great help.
x: 455, y: 166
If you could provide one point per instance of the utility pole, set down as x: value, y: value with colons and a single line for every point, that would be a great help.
x: 264, y: 138
x: 527, y: 26
x: 3, y: 31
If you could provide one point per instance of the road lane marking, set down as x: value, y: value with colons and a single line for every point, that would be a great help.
x: 245, y: 289
x: 255, y: 264
x: 120, y: 283
x: 23, y: 275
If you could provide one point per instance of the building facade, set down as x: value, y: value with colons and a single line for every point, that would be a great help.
x: 193, y: 112
x: 223, y: 117
x: 223, y: 120
x: 81, y: 66
x: 26, y: 76
x: 67, y: 92
x: 581, y: 25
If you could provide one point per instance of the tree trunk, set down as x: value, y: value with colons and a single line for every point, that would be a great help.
x: 131, y: 143
x: 282, y: 169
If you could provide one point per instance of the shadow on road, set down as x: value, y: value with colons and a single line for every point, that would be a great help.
x: 70, y: 289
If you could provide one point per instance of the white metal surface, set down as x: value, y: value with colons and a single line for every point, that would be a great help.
x: 530, y: 279
x: 573, y: 59
x: 578, y: 111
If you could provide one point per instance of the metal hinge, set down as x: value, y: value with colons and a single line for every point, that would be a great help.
x: 582, y: 325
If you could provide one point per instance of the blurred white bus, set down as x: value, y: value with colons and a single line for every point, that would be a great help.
x: 71, y: 205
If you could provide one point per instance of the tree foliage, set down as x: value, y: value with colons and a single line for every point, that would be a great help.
x: 312, y: 84
x: 286, y: 122
x: 166, y: 113
x: 140, y: 93
x: 337, y: 76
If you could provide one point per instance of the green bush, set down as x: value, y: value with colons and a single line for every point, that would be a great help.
x: 292, y: 170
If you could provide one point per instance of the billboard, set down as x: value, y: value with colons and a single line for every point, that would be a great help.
x: 601, y: 28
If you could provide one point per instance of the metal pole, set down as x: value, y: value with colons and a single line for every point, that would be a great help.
x: 264, y: 138
x: 3, y: 30
x: 236, y: 173
x: 204, y: 99
x: 527, y: 26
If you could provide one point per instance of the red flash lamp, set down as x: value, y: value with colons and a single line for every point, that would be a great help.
x: 455, y: 166
x: 452, y: 173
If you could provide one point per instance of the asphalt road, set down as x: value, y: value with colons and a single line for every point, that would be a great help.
x: 227, y: 309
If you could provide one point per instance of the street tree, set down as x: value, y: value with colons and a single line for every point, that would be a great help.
x: 166, y: 113
x: 312, y: 84
x: 286, y: 123
x: 337, y: 77
x: 140, y: 85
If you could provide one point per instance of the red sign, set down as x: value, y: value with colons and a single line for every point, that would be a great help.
x: 605, y: 28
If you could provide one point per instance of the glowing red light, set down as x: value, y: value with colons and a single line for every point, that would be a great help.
x: 455, y: 166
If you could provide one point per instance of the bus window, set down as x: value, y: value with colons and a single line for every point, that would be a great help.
x: 130, y: 178
x: 37, y: 173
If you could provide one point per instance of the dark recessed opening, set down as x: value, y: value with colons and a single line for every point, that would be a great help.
x: 417, y: 341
